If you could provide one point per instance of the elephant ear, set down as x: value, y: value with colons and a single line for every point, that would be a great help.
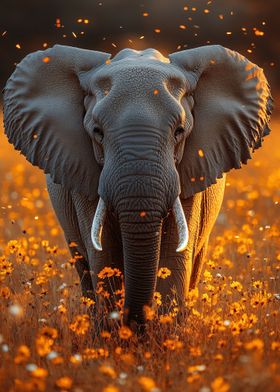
x: 232, y: 107
x: 43, y: 115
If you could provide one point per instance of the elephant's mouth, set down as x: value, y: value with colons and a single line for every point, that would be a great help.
x: 99, y: 218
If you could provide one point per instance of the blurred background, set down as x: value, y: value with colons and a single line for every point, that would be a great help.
x: 249, y: 26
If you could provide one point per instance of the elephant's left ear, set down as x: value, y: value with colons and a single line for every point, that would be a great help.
x: 232, y: 107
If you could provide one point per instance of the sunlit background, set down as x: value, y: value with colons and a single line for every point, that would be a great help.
x: 231, y: 339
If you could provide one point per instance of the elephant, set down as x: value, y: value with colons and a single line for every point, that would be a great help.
x: 135, y: 149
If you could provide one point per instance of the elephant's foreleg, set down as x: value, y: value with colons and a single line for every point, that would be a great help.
x: 198, y: 266
x: 66, y: 214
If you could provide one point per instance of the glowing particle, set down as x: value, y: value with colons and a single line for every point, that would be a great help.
x: 229, y: 33
x: 142, y: 37
x: 58, y: 23
x: 201, y: 178
x: 108, y: 61
x: 145, y: 14
x: 258, y: 33
x: 79, y: 20
x: 194, y: 9
x: 221, y: 16
x: 18, y: 46
x: 156, y: 92
x: 206, y: 11
x: 114, y: 45
x: 74, y: 34
x: 157, y: 31
x: 45, y: 44
x: 4, y: 33
x: 183, y: 27
x: 36, y: 217
x: 142, y: 214
x: 192, y: 179
x: 45, y: 60
x: 200, y: 153
x: 86, y: 21
x: 186, y: 8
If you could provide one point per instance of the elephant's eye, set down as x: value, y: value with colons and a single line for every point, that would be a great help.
x: 98, y: 134
x: 178, y: 133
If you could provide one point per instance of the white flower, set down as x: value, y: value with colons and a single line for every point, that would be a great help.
x: 31, y: 367
x: 5, y: 348
x: 15, y: 310
x: 52, y: 355
x: 115, y: 315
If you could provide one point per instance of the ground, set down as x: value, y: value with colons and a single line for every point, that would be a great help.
x: 230, y: 339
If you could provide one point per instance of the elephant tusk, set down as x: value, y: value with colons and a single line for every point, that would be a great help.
x: 182, y: 225
x: 97, y: 224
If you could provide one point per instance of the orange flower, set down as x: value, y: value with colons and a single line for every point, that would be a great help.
x: 125, y: 332
x: 147, y: 383
x: 23, y: 354
x: 220, y: 385
x: 64, y: 382
x: 80, y: 325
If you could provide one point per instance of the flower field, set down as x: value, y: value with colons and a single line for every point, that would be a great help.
x: 229, y: 339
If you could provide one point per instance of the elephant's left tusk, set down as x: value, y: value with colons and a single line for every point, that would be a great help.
x: 182, y: 226
x: 97, y: 224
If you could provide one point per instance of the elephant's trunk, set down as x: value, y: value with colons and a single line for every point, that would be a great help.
x: 141, y: 245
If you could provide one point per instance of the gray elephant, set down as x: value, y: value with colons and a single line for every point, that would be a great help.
x: 135, y: 149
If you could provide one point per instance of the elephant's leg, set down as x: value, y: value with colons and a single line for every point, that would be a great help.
x: 198, y: 265
x: 65, y: 211
x: 180, y: 264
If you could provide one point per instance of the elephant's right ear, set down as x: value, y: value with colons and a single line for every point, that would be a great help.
x: 43, y: 115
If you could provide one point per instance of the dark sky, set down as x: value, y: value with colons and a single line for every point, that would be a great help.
x: 115, y: 24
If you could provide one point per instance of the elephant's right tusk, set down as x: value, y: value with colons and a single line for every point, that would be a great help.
x: 97, y: 224
x: 182, y: 226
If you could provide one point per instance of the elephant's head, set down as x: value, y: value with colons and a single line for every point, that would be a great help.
x: 138, y: 131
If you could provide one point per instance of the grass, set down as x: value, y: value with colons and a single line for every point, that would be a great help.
x: 230, y: 339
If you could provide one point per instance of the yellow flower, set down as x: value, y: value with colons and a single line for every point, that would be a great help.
x: 64, y: 382
x: 107, y: 371
x: 220, y: 385
x: 87, y: 301
x: 125, y: 332
x: 147, y: 383
x: 5, y: 292
x: 110, y: 388
x: 157, y: 298
x: 172, y: 344
x: 80, y: 325
x: 236, y: 285
x: 163, y: 273
x: 255, y: 344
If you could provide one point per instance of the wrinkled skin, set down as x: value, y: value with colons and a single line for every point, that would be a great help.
x: 156, y: 132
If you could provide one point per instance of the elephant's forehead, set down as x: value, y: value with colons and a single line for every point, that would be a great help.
x: 140, y: 55
x: 132, y: 71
